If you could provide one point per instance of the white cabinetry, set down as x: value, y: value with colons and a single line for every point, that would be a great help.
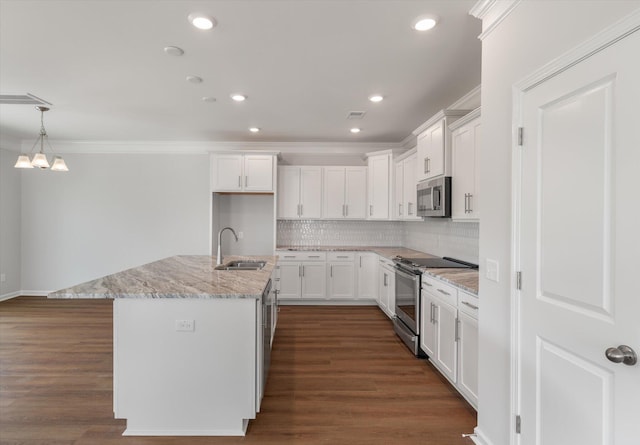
x: 367, y: 272
x: 341, y: 282
x: 345, y: 192
x: 449, y: 334
x: 434, y: 145
x: 386, y: 287
x: 302, y: 276
x: 405, y: 188
x: 379, y: 186
x: 232, y: 172
x: 299, y: 192
x: 464, y: 169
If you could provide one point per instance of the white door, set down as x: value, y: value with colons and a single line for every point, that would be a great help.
x: 379, y: 187
x: 398, y: 209
x: 435, y: 163
x: 310, y: 192
x: 468, y: 356
x: 579, y: 239
x: 314, y: 280
x: 333, y: 196
x: 409, y: 187
x: 290, y: 284
x: 227, y: 172
x: 463, y: 170
x: 427, y: 325
x: 258, y: 173
x: 342, y: 278
x: 447, y: 347
x: 288, y: 192
x: 355, y: 193
x: 367, y: 275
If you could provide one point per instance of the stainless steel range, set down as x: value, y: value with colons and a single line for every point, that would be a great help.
x: 408, y: 287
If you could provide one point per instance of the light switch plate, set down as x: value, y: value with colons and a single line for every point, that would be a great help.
x: 185, y: 325
x: 492, y: 270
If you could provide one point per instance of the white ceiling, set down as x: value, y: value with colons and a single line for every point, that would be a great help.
x: 304, y: 65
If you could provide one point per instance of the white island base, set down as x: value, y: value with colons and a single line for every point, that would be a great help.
x: 169, y: 380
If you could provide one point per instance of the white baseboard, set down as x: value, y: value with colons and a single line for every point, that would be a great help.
x: 10, y: 295
x: 480, y: 438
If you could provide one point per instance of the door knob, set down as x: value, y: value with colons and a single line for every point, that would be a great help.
x: 622, y: 354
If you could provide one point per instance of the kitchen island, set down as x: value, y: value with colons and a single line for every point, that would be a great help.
x: 188, y: 344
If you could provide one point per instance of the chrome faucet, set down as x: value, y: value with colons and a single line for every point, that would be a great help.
x: 218, y: 257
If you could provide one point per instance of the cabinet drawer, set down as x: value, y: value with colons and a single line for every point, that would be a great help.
x: 441, y: 290
x: 341, y: 256
x: 287, y: 255
x: 468, y: 303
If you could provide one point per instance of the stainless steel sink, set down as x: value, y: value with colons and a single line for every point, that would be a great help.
x: 242, y: 265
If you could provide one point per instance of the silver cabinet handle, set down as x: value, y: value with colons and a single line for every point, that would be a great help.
x: 239, y: 181
x: 385, y: 280
x: 470, y: 209
x: 466, y: 208
x: 622, y: 354
x: 409, y: 212
x: 331, y: 271
x: 246, y: 181
x: 346, y: 210
x: 400, y: 209
x: 289, y: 256
x: 313, y: 256
x: 303, y: 271
x: 433, y: 317
x: 342, y: 209
x: 443, y: 292
x: 457, y: 334
x: 342, y: 256
x: 428, y: 165
x: 425, y: 165
x: 361, y: 262
x: 472, y: 306
x: 301, y: 209
x: 370, y: 210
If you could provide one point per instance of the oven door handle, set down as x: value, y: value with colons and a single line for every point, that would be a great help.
x: 402, y: 272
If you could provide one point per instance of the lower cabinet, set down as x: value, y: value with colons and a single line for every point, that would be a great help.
x: 367, y: 275
x: 387, y: 287
x: 449, y: 334
x: 303, y: 275
x: 341, y: 280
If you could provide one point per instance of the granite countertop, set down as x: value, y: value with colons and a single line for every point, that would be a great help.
x: 182, y: 276
x: 466, y: 279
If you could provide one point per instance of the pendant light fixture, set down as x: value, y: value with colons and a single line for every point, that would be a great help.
x: 40, y: 159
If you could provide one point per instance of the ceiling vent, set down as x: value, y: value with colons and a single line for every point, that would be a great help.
x: 22, y: 99
x: 356, y: 114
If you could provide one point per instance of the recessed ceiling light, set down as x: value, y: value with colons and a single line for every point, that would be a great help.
x: 254, y: 129
x: 355, y: 130
x: 238, y: 97
x: 208, y: 99
x: 202, y: 21
x: 376, y: 98
x: 194, y: 79
x: 425, y: 22
x: 173, y: 50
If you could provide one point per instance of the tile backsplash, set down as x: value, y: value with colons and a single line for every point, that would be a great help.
x: 441, y: 237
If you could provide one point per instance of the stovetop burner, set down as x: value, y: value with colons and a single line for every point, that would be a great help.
x: 435, y: 263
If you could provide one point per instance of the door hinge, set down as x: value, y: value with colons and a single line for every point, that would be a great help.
x: 519, y: 280
x: 520, y: 136
x: 518, y: 424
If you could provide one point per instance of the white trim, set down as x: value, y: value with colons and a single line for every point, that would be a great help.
x: 36, y: 293
x: 200, y: 147
x: 437, y: 117
x: 474, y: 94
x: 605, y: 38
x: 465, y: 119
x: 480, y: 438
x: 492, y: 13
x: 10, y: 295
x: 592, y: 46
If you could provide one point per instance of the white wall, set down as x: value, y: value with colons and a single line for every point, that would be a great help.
x: 532, y: 35
x: 10, y: 204
x: 109, y: 213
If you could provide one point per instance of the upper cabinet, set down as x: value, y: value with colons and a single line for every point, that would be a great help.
x: 464, y: 170
x: 405, y: 187
x: 299, y: 192
x: 434, y: 145
x: 233, y: 172
x: 344, y: 193
x: 378, y: 185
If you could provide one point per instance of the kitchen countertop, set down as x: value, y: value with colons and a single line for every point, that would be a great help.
x: 466, y: 279
x: 182, y: 276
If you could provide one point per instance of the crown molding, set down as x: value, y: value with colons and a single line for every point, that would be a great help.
x: 465, y: 119
x: 205, y: 147
x: 492, y: 13
x: 437, y: 117
x: 472, y: 96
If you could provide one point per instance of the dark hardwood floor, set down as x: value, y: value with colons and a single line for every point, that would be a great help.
x: 339, y: 375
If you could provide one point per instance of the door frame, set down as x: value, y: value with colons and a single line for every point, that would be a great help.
x: 602, y: 40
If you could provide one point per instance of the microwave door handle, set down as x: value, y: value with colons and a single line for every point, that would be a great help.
x: 433, y: 192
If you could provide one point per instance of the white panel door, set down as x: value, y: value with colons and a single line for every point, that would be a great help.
x: 579, y: 239
x: 468, y: 356
x: 463, y: 181
x: 428, y: 331
x: 227, y: 172
x: 314, y: 280
x: 409, y: 187
x: 379, y: 169
x: 398, y: 210
x: 341, y: 281
x: 290, y: 280
x: 435, y: 164
x: 355, y: 193
x: 258, y: 173
x: 367, y: 275
x: 288, y: 192
x: 310, y: 192
x: 446, y: 358
x: 333, y: 196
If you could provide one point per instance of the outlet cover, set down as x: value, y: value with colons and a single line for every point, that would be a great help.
x: 185, y: 325
x: 493, y: 270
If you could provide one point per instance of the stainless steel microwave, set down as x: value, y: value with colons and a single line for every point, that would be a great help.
x: 434, y: 197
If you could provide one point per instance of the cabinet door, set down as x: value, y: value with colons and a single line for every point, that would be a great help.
x: 428, y: 331
x: 342, y: 280
x: 333, y: 196
x: 423, y: 143
x: 258, y: 173
x: 226, y: 172
x: 435, y: 164
x: 310, y: 192
x: 288, y: 192
x: 468, y: 357
x: 290, y: 280
x: 399, y: 208
x: 464, y: 178
x: 355, y: 193
x: 383, y: 289
x: 391, y: 293
x: 379, y: 187
x: 409, y: 187
x: 367, y: 268
x: 314, y: 280
x: 446, y: 358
